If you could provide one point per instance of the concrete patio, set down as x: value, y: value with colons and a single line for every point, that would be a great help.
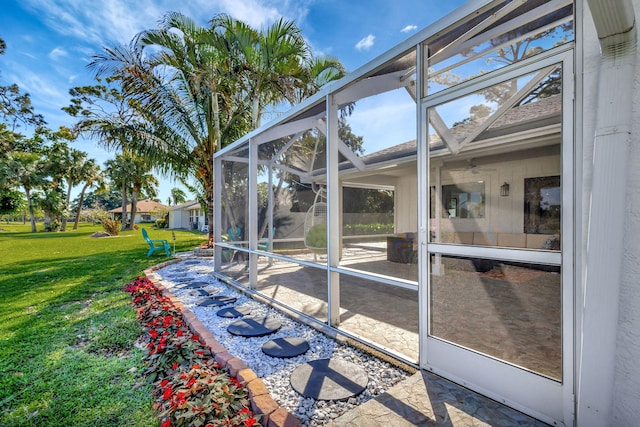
x: 510, y: 312
x: 423, y: 399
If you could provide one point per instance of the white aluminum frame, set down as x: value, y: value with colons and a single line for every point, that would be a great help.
x: 463, y: 366
x: 543, y: 398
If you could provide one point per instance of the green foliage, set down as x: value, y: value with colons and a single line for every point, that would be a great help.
x: 16, y: 108
x: 365, y: 200
x: 161, y: 223
x: 367, y: 229
x: 67, y: 353
x: 111, y: 225
x: 178, y: 196
x: 316, y: 237
x: 11, y: 201
x: 191, y: 388
x: 106, y: 200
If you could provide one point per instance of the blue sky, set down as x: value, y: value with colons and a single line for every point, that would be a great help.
x: 50, y: 42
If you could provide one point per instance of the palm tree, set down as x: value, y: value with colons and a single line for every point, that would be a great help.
x: 25, y: 170
x: 131, y: 174
x: 76, y: 161
x: 116, y: 170
x: 203, y: 88
x: 90, y: 174
x: 142, y: 181
x: 277, y: 63
x: 107, y: 116
x: 61, y: 160
x: 177, y: 196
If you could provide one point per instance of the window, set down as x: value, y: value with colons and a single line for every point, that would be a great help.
x: 193, y: 216
x: 542, y: 199
x: 464, y: 200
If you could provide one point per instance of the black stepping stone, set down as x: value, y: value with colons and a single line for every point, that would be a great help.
x: 254, y: 326
x: 285, y: 347
x: 179, y: 278
x: 191, y: 262
x: 329, y: 379
x: 180, y: 270
x: 218, y: 301
x: 232, y: 312
x: 195, y: 285
x: 200, y: 292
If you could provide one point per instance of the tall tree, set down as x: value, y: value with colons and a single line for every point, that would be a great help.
x: 75, y: 162
x: 177, y: 196
x: 203, y: 88
x: 109, y: 117
x: 89, y: 173
x: 26, y: 170
x: 131, y: 174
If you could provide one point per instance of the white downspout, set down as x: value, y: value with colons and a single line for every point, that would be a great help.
x: 615, y: 24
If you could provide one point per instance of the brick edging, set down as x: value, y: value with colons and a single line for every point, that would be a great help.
x: 273, y: 415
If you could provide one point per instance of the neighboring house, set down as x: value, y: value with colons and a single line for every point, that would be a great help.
x: 516, y: 199
x: 188, y: 215
x: 146, y: 211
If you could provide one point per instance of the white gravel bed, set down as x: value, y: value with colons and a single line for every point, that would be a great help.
x: 275, y: 372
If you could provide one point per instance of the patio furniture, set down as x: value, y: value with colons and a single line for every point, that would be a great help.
x: 402, y: 248
x: 156, y: 245
x: 233, y: 235
x: 263, y: 244
x: 315, y: 225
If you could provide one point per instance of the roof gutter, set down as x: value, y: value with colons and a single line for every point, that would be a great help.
x: 616, y: 28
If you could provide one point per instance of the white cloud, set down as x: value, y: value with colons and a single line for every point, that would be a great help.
x: 118, y: 21
x: 254, y: 13
x: 103, y: 22
x: 366, y: 43
x: 409, y: 28
x: 57, y: 53
x: 46, y: 92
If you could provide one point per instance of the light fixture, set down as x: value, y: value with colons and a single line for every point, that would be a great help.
x: 504, y: 189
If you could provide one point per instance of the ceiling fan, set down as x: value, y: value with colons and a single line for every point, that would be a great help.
x: 471, y: 167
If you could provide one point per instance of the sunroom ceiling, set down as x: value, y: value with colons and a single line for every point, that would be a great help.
x: 462, y: 41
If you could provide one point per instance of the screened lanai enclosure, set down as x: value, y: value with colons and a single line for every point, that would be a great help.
x: 420, y: 204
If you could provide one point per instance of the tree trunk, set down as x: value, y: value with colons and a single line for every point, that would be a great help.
x: 276, y: 194
x: 31, y: 214
x: 134, y: 206
x: 63, y: 226
x: 124, y: 206
x: 77, y: 220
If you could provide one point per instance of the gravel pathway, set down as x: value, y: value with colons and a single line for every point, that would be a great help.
x: 192, y: 282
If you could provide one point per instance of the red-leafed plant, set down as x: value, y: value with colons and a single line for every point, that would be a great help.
x: 207, y: 245
x: 191, y: 388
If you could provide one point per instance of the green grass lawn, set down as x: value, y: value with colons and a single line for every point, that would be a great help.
x: 67, y: 330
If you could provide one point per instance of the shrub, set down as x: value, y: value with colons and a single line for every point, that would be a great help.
x: 367, y: 229
x: 191, y: 388
x: 316, y: 236
x: 111, y: 226
x: 54, y: 225
x: 161, y: 223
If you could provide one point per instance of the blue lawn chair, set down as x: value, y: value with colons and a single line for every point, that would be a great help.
x: 156, y: 245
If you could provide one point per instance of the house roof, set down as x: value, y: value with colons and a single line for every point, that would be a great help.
x: 545, y: 111
x: 143, y: 206
x: 191, y: 204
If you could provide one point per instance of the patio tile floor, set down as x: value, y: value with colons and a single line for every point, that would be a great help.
x: 425, y: 399
x: 517, y: 302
